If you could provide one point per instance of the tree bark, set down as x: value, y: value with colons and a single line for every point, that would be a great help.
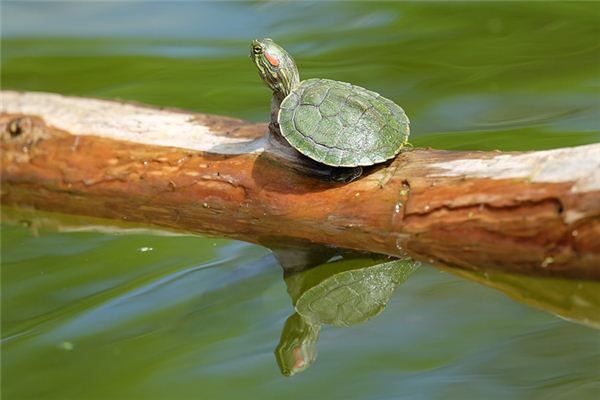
x: 529, y: 212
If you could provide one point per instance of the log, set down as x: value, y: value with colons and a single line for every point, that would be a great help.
x: 534, y: 213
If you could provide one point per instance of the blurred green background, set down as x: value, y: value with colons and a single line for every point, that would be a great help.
x: 92, y: 315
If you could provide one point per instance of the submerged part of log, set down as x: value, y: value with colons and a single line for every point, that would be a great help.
x: 534, y: 212
x: 572, y: 299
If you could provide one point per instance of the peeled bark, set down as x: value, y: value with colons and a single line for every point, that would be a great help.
x: 528, y: 212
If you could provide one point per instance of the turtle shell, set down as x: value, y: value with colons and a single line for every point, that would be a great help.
x: 353, y: 296
x: 342, y: 125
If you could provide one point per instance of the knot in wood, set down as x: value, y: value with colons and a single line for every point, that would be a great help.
x: 19, y: 125
x: 23, y: 129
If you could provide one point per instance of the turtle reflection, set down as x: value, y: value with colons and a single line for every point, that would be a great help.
x: 343, y: 292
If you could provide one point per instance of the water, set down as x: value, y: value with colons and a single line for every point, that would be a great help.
x: 95, y: 315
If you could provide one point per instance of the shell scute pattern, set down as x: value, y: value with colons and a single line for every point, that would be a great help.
x: 340, y: 124
x: 350, y: 297
x: 326, y: 126
x: 306, y: 119
x: 291, y: 101
x: 314, y: 95
x: 330, y: 108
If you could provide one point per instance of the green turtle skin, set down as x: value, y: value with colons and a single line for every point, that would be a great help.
x: 342, y: 125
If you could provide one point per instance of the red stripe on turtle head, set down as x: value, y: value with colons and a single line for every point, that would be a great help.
x: 272, y: 59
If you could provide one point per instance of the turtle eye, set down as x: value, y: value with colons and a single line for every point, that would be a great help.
x: 257, y: 49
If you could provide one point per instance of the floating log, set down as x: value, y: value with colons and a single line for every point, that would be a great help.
x: 527, y: 212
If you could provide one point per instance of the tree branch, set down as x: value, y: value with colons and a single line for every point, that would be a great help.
x: 534, y: 212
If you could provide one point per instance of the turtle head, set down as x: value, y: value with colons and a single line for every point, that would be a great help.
x: 297, y: 348
x: 275, y: 66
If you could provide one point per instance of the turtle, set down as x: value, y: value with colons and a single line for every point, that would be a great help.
x: 342, y: 292
x: 341, y: 126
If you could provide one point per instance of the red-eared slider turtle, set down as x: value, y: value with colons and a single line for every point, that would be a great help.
x: 341, y: 293
x: 334, y: 123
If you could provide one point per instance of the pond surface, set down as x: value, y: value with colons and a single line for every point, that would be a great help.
x: 90, y: 313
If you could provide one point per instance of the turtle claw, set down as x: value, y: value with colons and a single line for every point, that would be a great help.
x: 345, y: 174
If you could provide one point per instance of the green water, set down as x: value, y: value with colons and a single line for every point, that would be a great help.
x: 99, y: 315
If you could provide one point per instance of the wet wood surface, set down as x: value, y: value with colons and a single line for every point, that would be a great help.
x: 534, y: 212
